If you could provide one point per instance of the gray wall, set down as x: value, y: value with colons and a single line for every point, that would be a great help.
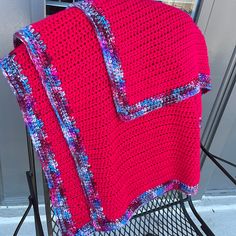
x: 217, y: 21
x: 14, y: 14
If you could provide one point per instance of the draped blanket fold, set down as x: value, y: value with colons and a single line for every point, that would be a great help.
x: 110, y: 93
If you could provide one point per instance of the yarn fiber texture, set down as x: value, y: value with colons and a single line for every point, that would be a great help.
x: 111, y: 94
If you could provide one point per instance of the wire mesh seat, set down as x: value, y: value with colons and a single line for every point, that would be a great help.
x: 163, y: 216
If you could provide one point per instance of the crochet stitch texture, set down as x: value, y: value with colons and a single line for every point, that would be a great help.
x: 110, y: 92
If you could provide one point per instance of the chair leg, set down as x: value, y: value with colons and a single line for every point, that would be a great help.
x: 204, y: 226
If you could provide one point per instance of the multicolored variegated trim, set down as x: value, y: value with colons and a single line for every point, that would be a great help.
x: 48, y: 73
x: 107, y: 42
x: 23, y: 91
x: 204, y: 82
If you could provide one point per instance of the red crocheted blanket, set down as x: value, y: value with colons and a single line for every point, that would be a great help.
x: 110, y: 92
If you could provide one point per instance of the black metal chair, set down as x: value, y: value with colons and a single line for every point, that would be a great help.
x: 165, y: 216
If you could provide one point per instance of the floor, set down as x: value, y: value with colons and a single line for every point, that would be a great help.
x: 218, y: 212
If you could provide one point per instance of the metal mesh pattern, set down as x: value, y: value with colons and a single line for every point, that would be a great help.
x: 164, y: 216
x: 54, y: 227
